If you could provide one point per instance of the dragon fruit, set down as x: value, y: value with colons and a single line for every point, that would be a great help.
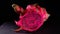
x: 33, y: 19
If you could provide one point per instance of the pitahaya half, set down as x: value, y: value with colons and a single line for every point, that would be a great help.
x: 33, y: 19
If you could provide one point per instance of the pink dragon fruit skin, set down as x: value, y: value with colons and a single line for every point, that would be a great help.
x: 33, y: 19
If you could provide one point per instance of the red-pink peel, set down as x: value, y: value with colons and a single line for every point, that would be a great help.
x: 33, y: 19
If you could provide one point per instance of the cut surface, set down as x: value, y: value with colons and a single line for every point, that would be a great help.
x: 31, y: 21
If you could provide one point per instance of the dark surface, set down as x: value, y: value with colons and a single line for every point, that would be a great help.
x: 8, y: 28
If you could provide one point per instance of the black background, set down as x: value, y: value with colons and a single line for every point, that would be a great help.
x: 7, y: 13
